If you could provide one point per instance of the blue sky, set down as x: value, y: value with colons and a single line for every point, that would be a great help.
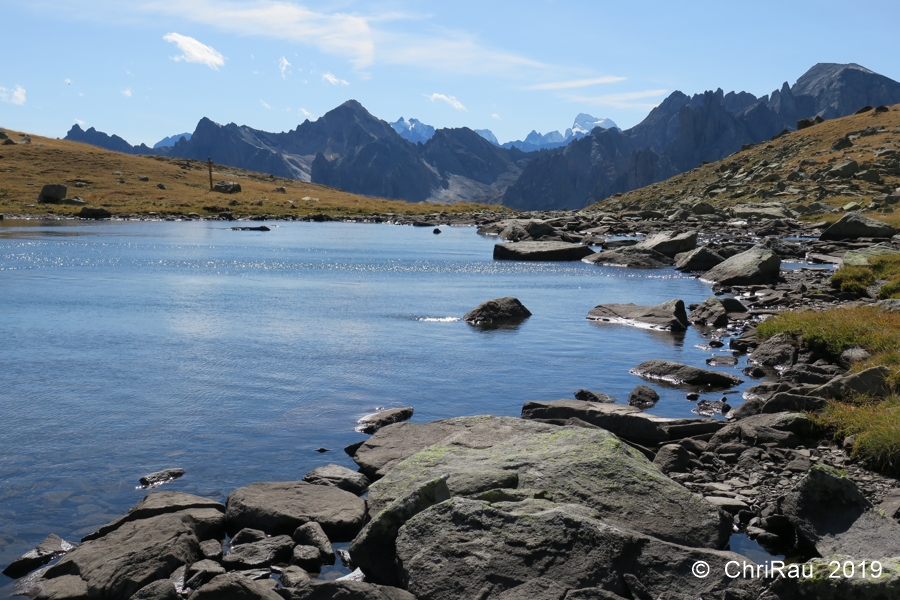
x: 146, y: 69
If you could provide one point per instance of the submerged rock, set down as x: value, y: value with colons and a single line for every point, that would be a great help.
x: 161, y: 477
x: 375, y: 421
x: 543, y: 251
x: 52, y: 547
x: 630, y: 257
x: 496, y: 311
x: 668, y: 316
x: 684, y: 375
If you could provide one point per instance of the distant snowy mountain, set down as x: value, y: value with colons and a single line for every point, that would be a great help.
x: 413, y: 130
x: 170, y: 141
x: 488, y: 135
x: 584, y: 124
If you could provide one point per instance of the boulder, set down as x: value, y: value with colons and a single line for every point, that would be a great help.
x: 161, y: 477
x: 589, y: 396
x: 670, y: 243
x: 162, y: 589
x: 389, y: 446
x: 375, y: 421
x: 710, y: 312
x: 673, y: 458
x: 52, y: 547
x: 248, y: 535
x: 129, y: 557
x: 373, y: 549
x: 668, y: 316
x: 280, y: 507
x: 703, y: 208
x: 871, y: 382
x: 627, y: 422
x: 158, y: 503
x: 94, y: 213
x: 684, y: 375
x: 844, y: 169
x: 292, y: 576
x: 777, y: 351
x: 570, y: 464
x: 831, y: 516
x: 754, y: 266
x: 542, y: 251
x: 697, y: 260
x: 227, y: 187
x: 466, y: 548
x: 311, y: 534
x: 235, y: 586
x: 496, y: 311
x: 344, y: 590
x: 201, y: 572
x: 307, y: 558
x: 211, y: 549
x: 762, y: 211
x: 854, y: 225
x: 52, y: 193
x: 260, y: 554
x: 781, y: 429
x: 339, y: 477
x: 861, y: 256
x: 643, y: 397
x: 629, y: 257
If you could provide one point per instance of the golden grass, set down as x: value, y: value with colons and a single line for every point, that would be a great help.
x: 25, y: 168
x: 856, y: 279
x: 875, y: 426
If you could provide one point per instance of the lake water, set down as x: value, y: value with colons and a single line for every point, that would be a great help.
x: 128, y: 347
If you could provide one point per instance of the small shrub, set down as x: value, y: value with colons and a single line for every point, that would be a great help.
x: 853, y: 279
x: 891, y: 290
x: 875, y: 426
x: 886, y: 267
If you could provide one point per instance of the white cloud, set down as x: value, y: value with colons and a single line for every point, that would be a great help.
x: 496, y: 116
x: 79, y: 121
x: 67, y: 81
x: 304, y: 112
x: 623, y: 100
x: 578, y: 83
x: 127, y: 92
x: 14, y: 96
x: 81, y: 94
x: 283, y: 65
x: 195, y: 51
x: 451, y: 100
x: 333, y: 80
x: 263, y: 102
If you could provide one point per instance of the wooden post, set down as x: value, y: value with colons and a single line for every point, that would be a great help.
x: 209, y: 164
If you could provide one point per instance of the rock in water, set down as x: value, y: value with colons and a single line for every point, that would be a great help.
x: 700, y: 259
x: 670, y: 243
x: 548, y: 251
x: 282, y: 506
x: 94, y: 213
x: 710, y: 312
x: 853, y: 225
x: 466, y: 548
x: 668, y: 316
x: 630, y: 257
x: 47, y: 550
x: 643, y: 397
x: 589, y: 396
x: 375, y: 421
x: 754, y: 266
x: 339, y: 477
x: 591, y: 467
x: 678, y: 374
x: 496, y: 311
x: 161, y: 477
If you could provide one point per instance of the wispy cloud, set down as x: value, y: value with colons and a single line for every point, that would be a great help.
x: 451, y: 100
x: 265, y: 105
x: 195, y: 51
x: 283, y: 66
x: 304, y: 112
x: 623, y: 100
x: 333, y: 80
x: 14, y: 96
x: 79, y: 121
x: 126, y: 92
x: 496, y: 116
x: 577, y: 83
x: 67, y: 81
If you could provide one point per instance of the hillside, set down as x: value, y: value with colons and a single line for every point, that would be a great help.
x: 795, y: 170
x: 110, y: 180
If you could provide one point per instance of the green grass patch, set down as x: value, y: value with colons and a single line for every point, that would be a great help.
x: 856, y: 279
x: 853, y: 279
x: 875, y: 426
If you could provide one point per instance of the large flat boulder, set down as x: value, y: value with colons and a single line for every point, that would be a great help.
x: 339, y: 477
x: 685, y: 375
x: 466, y: 548
x: 384, y: 450
x: 854, y: 225
x: 279, y: 507
x: 549, y: 251
x: 860, y: 256
x: 699, y: 259
x: 629, y: 257
x: 670, y: 243
x: 871, y: 382
x: 344, y: 590
x: 754, y: 266
x: 668, y: 316
x: 762, y: 211
x: 235, y: 586
x: 578, y: 465
x: 158, y: 503
x: 628, y: 422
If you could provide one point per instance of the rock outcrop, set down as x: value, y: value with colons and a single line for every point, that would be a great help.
x: 668, y: 316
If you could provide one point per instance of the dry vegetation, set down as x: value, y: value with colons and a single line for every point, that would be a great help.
x: 25, y: 168
x: 802, y: 152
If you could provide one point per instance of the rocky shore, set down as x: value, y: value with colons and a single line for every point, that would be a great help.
x: 578, y: 498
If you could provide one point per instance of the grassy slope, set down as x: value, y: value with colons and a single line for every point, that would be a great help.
x: 25, y: 168
x: 783, y: 155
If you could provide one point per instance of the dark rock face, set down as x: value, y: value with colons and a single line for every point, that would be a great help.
x: 259, y: 554
x: 94, y: 213
x: 349, y: 590
x: 158, y: 503
x: 710, y: 312
x: 668, y: 316
x: 281, y: 507
x: 550, y: 251
x: 643, y: 397
x: 519, y: 542
x: 340, y: 477
x: 161, y: 477
x: 110, y: 142
x: 375, y: 421
x: 227, y: 187
x: 235, y: 586
x: 853, y: 225
x: 697, y: 260
x: 52, y: 193
x: 47, y: 550
x: 678, y: 374
x: 311, y: 534
x: 589, y: 396
x: 496, y: 311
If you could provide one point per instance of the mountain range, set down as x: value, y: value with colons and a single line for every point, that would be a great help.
x: 350, y: 149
